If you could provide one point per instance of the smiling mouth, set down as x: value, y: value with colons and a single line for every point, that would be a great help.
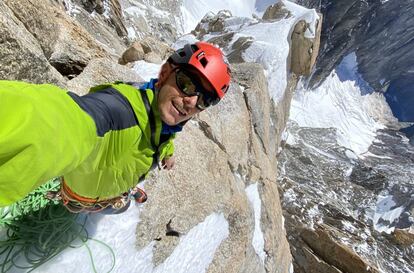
x: 178, y: 110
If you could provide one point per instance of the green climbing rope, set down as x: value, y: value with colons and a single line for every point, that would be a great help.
x: 37, y: 229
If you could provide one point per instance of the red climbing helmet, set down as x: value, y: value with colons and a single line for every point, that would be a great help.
x: 208, y: 60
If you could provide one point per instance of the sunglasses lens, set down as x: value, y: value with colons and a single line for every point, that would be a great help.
x: 185, y: 84
x: 205, y: 100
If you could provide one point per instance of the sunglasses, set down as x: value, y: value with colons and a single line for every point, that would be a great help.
x: 190, y: 85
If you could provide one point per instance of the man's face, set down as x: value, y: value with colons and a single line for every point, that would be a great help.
x: 175, y: 106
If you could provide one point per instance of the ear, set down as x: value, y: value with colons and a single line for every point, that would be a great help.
x: 165, y: 72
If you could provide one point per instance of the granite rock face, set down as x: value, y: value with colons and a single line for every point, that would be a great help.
x: 153, y: 18
x: 322, y: 242
x: 21, y: 55
x: 304, y: 50
x: 276, y: 12
x: 66, y: 45
x: 101, y: 71
x: 230, y: 155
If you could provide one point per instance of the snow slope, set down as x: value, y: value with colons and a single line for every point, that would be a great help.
x: 341, y: 104
x: 253, y: 195
x: 270, y: 43
x: 193, y: 254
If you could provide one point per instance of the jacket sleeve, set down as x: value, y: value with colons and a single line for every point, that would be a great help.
x: 167, y: 148
x: 43, y: 134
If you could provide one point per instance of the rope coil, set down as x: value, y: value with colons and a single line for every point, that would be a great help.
x: 36, y: 229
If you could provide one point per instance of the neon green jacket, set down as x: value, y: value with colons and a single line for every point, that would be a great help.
x: 102, y: 143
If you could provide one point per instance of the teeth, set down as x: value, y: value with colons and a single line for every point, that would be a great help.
x: 181, y: 113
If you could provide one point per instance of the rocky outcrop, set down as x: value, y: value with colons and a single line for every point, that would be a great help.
x: 326, y: 190
x: 91, y: 5
x: 211, y: 23
x: 341, y: 21
x: 224, y: 168
x: 110, y: 9
x: 153, y: 18
x: 97, y: 24
x: 404, y: 237
x: 276, y: 12
x: 322, y: 243
x: 304, y: 50
x: 101, y: 71
x: 115, y: 17
x: 148, y: 49
x: 66, y: 45
x: 21, y: 55
x: 134, y: 53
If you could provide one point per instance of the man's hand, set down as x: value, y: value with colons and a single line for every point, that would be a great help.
x: 168, y: 163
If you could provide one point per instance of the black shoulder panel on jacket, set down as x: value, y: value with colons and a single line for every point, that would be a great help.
x: 109, y: 109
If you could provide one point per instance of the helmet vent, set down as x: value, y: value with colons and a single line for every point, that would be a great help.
x: 225, y: 88
x: 181, y: 53
x: 194, y: 47
x: 203, y: 62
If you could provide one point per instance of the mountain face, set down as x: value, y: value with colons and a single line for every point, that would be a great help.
x: 219, y: 209
x: 381, y: 34
x: 346, y: 171
x: 330, y: 196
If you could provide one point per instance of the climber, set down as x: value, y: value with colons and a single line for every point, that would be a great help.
x: 103, y: 143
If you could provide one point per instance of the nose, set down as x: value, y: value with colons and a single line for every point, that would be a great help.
x: 190, y: 101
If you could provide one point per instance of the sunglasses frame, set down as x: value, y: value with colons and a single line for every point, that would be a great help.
x: 208, y: 98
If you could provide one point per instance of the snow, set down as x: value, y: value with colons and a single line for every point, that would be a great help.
x: 386, y: 210
x: 289, y: 196
x: 300, y: 13
x: 132, y: 35
x: 348, y: 172
x: 118, y: 231
x: 319, y: 151
x: 270, y: 51
x: 351, y: 155
x: 146, y: 70
x: 193, y: 254
x: 348, y: 226
x: 194, y: 11
x: 107, y: 9
x: 196, y: 249
x: 270, y: 44
x: 185, y: 39
x: 369, y: 154
x: 137, y: 10
x: 344, y: 101
x: 291, y: 268
x: 339, y: 105
x: 71, y: 8
x: 291, y: 139
x: 258, y: 238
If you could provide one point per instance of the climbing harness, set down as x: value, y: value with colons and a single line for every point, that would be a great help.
x: 77, y: 204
